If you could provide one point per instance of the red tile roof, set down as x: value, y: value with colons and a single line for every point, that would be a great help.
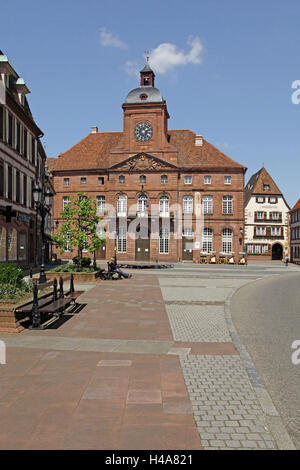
x: 256, y: 185
x: 93, y: 152
x: 296, y: 206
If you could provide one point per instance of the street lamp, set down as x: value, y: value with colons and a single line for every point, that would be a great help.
x: 42, y: 197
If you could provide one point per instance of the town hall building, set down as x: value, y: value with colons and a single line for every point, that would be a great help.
x: 163, y: 195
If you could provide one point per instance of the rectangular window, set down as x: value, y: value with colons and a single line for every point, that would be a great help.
x: 207, y: 205
x: 25, y: 190
x: 164, y: 179
x: 264, y: 248
x: 227, y: 205
x: 18, y: 137
x: 18, y: 186
x: 66, y: 181
x: 66, y: 201
x: 188, y: 204
x: 207, y: 179
x: 1, y: 179
x: 122, y: 179
x: 227, y: 179
x: 261, y: 231
x: 187, y: 180
x: 207, y: 242
x: 164, y: 241
x: 32, y: 150
x: 25, y: 143
x: 260, y: 215
x: 260, y: 199
x: 100, y: 180
x: 83, y: 181
x: 276, y: 231
x: 1, y: 122
x: 100, y: 205
x: 266, y: 187
x: 67, y: 246
x: 257, y: 249
x: 10, y: 183
x: 122, y: 245
x: 250, y: 249
x: 11, y: 129
x: 273, y: 200
x: 276, y: 215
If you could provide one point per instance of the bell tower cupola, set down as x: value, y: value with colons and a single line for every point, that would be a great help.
x: 147, y: 75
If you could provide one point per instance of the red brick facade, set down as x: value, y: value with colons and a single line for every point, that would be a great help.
x: 165, y: 164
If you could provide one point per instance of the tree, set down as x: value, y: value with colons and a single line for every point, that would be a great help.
x: 79, y: 229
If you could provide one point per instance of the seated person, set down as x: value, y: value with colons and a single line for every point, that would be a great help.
x: 114, y: 268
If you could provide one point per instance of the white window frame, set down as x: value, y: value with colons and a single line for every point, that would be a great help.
x: 122, y: 240
x: 188, y: 205
x: 122, y: 205
x: 227, y: 236
x: 142, y: 204
x: 207, y: 179
x: 83, y: 181
x: 66, y: 181
x: 207, y: 240
x: 100, y: 205
x: 227, y: 179
x: 227, y: 205
x: 207, y: 202
x: 164, y: 241
x: 164, y: 206
x: 188, y: 179
x: 65, y: 202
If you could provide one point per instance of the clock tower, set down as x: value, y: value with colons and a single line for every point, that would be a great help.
x: 145, y: 122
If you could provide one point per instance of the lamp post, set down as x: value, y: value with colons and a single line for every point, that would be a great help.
x: 42, y: 197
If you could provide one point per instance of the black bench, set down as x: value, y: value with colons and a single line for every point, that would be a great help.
x: 52, y: 304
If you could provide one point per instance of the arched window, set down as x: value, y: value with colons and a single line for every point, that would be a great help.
x: 227, y: 240
x: 164, y: 205
x: 207, y: 240
x: 142, y: 204
x: 142, y: 179
x: 187, y: 204
x: 122, y: 205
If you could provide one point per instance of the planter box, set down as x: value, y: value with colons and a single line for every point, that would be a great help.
x: 10, y: 321
x: 78, y: 277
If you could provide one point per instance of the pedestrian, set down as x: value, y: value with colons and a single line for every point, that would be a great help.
x: 286, y: 260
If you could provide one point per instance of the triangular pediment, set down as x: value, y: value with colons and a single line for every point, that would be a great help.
x: 143, y: 162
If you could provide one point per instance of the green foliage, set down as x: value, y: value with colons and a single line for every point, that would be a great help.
x: 85, y: 261
x: 11, y: 274
x: 12, y: 284
x: 71, y: 268
x: 79, y: 228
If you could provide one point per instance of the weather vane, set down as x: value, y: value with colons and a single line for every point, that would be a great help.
x: 147, y: 55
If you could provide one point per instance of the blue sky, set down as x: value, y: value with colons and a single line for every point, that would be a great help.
x: 225, y: 68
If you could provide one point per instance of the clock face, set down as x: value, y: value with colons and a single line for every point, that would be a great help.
x: 143, y: 131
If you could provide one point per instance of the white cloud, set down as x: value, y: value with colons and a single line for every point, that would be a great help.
x: 131, y: 68
x: 108, y: 39
x: 167, y: 56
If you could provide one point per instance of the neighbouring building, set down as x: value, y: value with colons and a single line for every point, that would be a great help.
x: 22, y: 160
x: 266, y: 218
x: 157, y: 182
x: 295, y: 233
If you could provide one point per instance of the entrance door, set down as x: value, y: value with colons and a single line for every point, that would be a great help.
x: 187, y: 249
x: 142, y: 249
x: 277, y: 251
x: 101, y: 252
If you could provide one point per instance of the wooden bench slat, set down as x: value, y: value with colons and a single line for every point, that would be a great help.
x: 54, y: 306
x: 27, y: 308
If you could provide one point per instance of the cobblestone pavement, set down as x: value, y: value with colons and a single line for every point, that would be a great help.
x: 152, y: 362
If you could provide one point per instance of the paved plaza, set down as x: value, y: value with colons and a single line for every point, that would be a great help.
x: 151, y: 362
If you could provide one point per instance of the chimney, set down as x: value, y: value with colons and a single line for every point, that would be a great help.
x: 199, y: 140
x: 94, y: 129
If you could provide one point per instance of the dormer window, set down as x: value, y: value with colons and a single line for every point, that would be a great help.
x: 266, y: 187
